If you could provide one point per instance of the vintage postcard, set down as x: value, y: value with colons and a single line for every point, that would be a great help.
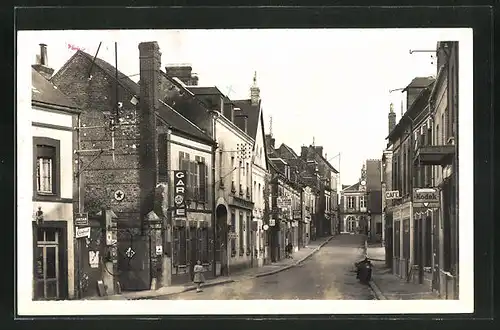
x: 280, y: 171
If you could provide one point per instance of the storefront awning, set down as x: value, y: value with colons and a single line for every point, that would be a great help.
x: 435, y: 155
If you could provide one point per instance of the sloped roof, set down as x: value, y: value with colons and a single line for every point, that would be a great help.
x: 354, y: 187
x: 419, y: 82
x: 253, y: 113
x: 180, y: 123
x: 199, y: 90
x: 290, y: 150
x: 44, y: 92
x: 168, y: 114
x: 123, y: 79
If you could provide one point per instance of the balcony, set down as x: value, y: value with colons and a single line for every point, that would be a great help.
x: 435, y: 155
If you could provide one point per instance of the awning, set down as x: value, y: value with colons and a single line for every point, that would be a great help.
x: 435, y: 155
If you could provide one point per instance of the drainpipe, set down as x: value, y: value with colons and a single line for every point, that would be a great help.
x: 214, y: 225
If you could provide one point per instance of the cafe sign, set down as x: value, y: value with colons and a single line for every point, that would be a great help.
x: 428, y: 197
x: 180, y: 194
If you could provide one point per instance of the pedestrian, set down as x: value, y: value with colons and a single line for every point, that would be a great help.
x: 198, y: 276
x: 289, y: 248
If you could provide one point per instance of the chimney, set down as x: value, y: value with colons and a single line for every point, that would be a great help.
x: 319, y: 150
x: 303, y: 152
x: 184, y: 72
x: 392, y: 118
x: 242, y: 122
x: 149, y: 68
x: 273, y: 140
x: 42, y: 63
x: 270, y: 142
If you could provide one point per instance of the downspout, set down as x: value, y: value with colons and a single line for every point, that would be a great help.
x: 214, y: 225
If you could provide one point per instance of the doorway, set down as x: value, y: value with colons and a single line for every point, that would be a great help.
x: 221, y: 240
x: 50, y: 274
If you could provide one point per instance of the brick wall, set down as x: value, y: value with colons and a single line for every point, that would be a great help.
x: 103, y: 177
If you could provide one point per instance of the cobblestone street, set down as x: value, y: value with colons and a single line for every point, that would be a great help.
x: 328, y: 274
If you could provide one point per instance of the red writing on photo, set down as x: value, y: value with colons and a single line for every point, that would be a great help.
x: 74, y: 47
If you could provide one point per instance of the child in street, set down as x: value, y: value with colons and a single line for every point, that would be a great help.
x: 198, y: 276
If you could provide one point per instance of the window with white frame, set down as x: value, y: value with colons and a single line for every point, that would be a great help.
x: 362, y: 201
x: 351, y: 202
x: 45, y: 176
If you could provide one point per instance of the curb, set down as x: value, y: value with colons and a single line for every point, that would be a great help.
x: 297, y: 262
x: 192, y: 288
x: 378, y: 293
x: 189, y: 288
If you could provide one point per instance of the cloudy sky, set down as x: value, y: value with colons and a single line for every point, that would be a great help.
x: 327, y: 85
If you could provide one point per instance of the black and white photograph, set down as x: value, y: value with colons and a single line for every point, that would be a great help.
x: 245, y: 171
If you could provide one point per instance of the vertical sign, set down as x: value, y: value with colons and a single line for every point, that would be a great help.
x: 180, y: 194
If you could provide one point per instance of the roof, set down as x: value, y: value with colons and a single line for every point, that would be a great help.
x: 419, y: 82
x: 326, y: 162
x: 181, y: 123
x: 177, y: 121
x: 45, y: 93
x: 199, y: 90
x: 253, y: 112
x: 423, y: 95
x: 354, y: 187
x: 123, y: 79
x: 290, y: 150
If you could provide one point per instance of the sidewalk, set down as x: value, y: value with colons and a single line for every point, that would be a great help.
x: 388, y: 286
x: 298, y: 257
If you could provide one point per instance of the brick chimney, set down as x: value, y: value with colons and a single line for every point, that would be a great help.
x: 392, y: 118
x: 303, y: 152
x: 270, y: 142
x: 42, y: 63
x: 319, y: 150
x: 184, y: 72
x: 149, y: 68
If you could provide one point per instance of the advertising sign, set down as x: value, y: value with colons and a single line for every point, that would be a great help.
x: 180, y: 181
x: 284, y: 202
x: 81, y: 219
x: 82, y: 232
x: 426, y: 196
x: 393, y: 194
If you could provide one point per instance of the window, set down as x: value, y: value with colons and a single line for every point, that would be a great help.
x: 202, y: 180
x: 362, y: 202
x: 444, y: 125
x: 46, y: 168
x: 240, y: 234
x: 350, y: 202
x: 233, y: 231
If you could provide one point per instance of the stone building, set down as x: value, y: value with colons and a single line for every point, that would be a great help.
x: 354, y: 207
x: 438, y: 155
x: 374, y: 194
x: 133, y: 143
x: 53, y: 116
x: 412, y: 127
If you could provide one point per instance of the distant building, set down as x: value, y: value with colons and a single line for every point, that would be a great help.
x: 374, y: 192
x: 53, y: 116
x: 354, y: 207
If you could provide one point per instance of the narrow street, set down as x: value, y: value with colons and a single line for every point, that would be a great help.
x: 328, y: 274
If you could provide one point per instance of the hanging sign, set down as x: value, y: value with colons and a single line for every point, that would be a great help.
x: 272, y: 222
x: 119, y: 195
x: 180, y: 194
x: 81, y: 219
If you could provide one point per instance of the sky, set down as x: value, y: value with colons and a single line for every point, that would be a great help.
x: 329, y: 87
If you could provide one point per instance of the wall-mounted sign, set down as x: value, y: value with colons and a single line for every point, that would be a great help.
x: 119, y: 195
x: 426, y: 196
x: 82, y: 232
x: 180, y: 181
x: 81, y: 219
x: 283, y: 202
x: 393, y: 194
x: 94, y: 259
x: 272, y: 222
x: 159, y: 250
x: 265, y: 227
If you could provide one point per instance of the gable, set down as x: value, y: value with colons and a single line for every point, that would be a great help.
x: 259, y: 146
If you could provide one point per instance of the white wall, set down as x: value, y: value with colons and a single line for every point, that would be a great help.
x: 58, y: 211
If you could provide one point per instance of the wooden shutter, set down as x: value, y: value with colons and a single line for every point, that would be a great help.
x: 162, y: 158
x: 202, y: 180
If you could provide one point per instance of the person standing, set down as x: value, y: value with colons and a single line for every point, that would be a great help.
x: 198, y: 276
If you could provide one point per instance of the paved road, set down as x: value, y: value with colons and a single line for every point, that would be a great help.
x: 328, y: 274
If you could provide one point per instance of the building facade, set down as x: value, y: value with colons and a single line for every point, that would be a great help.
x: 354, y: 207
x: 131, y: 144
x: 374, y: 192
x: 53, y: 117
x: 439, y: 156
x: 404, y: 177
